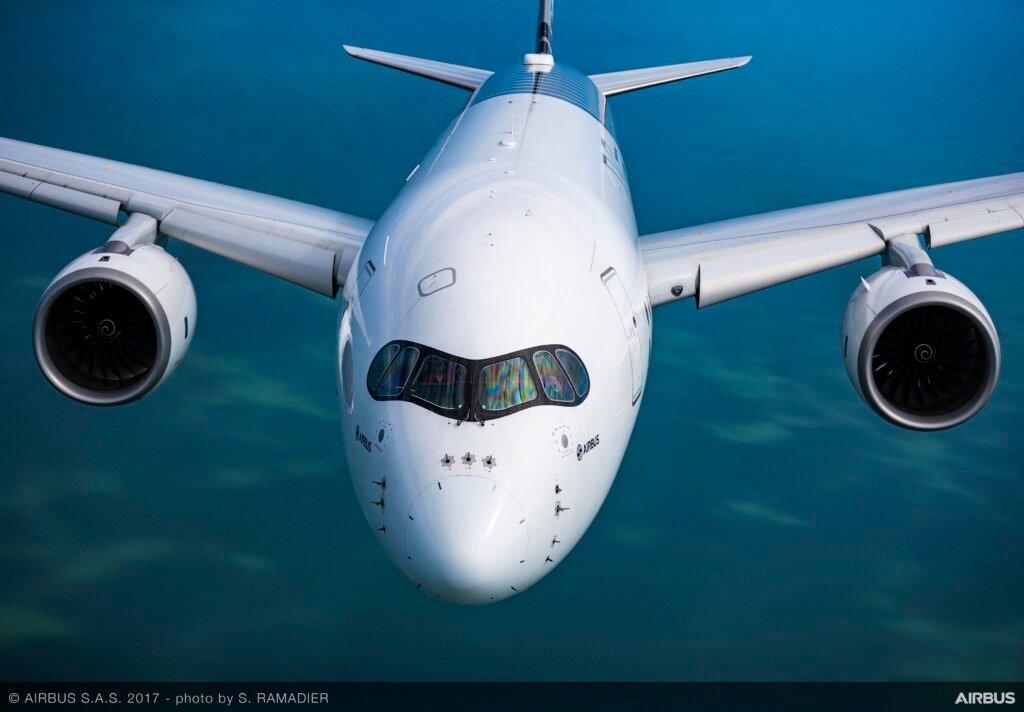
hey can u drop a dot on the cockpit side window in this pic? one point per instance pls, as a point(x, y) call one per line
point(506, 384)
point(552, 379)
point(441, 382)
point(395, 378)
point(577, 373)
point(380, 362)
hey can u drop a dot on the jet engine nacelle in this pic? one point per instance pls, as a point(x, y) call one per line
point(920, 348)
point(115, 323)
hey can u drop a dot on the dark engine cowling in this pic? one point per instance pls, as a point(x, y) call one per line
point(114, 325)
point(920, 349)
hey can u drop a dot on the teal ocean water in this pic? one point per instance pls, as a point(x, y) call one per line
point(765, 524)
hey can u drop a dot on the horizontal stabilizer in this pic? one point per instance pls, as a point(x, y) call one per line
point(454, 74)
point(614, 83)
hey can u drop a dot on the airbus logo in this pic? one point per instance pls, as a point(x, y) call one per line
point(586, 447)
point(986, 698)
point(363, 440)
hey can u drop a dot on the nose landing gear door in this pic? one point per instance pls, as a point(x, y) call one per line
point(620, 298)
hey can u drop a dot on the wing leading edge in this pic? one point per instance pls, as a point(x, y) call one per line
point(303, 244)
point(723, 260)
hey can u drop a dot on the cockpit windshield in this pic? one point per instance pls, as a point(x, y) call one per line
point(555, 384)
point(395, 378)
point(380, 362)
point(577, 372)
point(479, 389)
point(506, 384)
point(441, 382)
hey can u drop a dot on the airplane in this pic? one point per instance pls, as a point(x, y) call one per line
point(495, 329)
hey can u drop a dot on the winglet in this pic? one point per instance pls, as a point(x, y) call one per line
point(454, 74)
point(614, 83)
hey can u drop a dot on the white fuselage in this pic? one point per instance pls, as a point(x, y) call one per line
point(516, 218)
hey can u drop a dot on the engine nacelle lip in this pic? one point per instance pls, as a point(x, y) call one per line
point(916, 421)
point(84, 395)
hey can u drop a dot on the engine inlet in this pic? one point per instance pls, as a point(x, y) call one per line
point(930, 360)
point(101, 335)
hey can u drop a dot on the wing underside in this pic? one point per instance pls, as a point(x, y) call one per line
point(303, 244)
point(728, 259)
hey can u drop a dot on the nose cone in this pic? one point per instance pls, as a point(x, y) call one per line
point(466, 540)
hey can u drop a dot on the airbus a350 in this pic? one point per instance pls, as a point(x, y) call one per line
point(495, 325)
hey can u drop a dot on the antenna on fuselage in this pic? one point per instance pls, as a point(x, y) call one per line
point(547, 11)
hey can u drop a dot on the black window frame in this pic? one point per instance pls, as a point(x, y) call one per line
point(472, 411)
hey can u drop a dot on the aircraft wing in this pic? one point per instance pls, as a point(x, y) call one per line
point(303, 244)
point(728, 259)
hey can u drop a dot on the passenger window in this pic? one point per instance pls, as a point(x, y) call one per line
point(506, 384)
point(381, 361)
point(552, 379)
point(395, 378)
point(577, 373)
point(441, 382)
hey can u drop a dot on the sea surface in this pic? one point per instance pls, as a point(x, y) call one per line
point(765, 525)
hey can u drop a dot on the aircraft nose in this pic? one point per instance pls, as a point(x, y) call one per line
point(466, 540)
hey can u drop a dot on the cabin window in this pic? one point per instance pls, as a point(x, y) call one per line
point(577, 373)
point(506, 384)
point(552, 378)
point(441, 382)
point(397, 375)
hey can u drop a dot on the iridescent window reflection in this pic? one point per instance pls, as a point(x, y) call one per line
point(506, 384)
point(577, 373)
point(552, 379)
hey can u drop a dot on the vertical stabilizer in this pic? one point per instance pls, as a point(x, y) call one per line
point(547, 11)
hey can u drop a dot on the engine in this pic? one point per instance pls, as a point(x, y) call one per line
point(115, 323)
point(920, 348)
